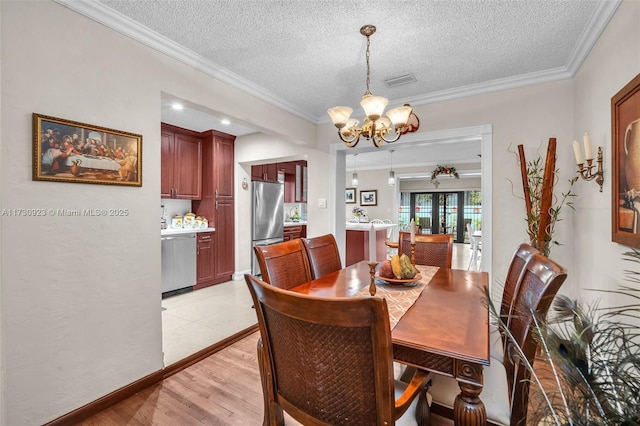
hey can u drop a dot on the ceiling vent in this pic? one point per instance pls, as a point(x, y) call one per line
point(400, 80)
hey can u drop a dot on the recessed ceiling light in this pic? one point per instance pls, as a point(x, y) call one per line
point(225, 121)
point(177, 106)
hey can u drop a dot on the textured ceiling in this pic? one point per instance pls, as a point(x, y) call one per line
point(308, 55)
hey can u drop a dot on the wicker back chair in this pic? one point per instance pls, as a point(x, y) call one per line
point(514, 278)
point(523, 253)
point(508, 382)
point(541, 280)
point(285, 264)
point(323, 255)
point(327, 360)
point(431, 249)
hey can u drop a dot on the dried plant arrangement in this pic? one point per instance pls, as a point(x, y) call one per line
point(543, 207)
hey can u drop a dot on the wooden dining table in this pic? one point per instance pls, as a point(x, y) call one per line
point(445, 329)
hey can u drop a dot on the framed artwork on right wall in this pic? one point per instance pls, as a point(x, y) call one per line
point(625, 140)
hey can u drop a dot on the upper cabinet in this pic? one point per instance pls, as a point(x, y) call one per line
point(265, 173)
point(295, 181)
point(217, 202)
point(181, 163)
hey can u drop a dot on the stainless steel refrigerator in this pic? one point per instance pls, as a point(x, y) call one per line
point(267, 217)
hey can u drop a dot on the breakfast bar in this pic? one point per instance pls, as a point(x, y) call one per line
point(366, 241)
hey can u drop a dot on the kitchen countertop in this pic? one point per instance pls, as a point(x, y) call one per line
point(182, 231)
point(367, 226)
point(301, 222)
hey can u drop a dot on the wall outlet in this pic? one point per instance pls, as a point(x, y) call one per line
point(322, 203)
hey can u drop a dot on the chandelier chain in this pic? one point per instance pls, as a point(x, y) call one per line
point(368, 92)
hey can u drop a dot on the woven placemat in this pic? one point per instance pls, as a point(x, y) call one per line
point(401, 297)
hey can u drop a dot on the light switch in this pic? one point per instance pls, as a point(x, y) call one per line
point(322, 203)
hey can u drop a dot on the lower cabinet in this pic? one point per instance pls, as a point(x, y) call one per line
point(205, 260)
point(293, 232)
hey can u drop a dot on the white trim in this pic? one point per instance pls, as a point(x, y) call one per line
point(337, 166)
point(130, 28)
point(115, 20)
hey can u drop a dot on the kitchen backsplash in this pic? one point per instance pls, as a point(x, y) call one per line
point(289, 210)
point(175, 207)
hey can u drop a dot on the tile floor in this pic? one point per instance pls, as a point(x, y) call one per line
point(198, 319)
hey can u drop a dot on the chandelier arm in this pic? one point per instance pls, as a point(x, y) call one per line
point(350, 142)
point(398, 134)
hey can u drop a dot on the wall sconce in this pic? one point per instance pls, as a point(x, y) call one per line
point(586, 172)
point(245, 184)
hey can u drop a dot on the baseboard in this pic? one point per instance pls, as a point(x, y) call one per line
point(92, 408)
point(208, 351)
point(240, 275)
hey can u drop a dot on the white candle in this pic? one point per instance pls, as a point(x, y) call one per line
point(588, 150)
point(413, 231)
point(577, 152)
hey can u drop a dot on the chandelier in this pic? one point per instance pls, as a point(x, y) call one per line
point(375, 127)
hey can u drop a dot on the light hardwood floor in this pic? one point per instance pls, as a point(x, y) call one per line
point(222, 389)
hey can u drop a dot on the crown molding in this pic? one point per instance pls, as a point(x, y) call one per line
point(598, 22)
point(130, 28)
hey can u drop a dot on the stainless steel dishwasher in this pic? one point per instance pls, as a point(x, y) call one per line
point(178, 263)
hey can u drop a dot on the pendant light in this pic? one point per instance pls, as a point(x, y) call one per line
point(392, 174)
point(354, 180)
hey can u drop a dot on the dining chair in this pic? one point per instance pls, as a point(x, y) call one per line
point(323, 255)
point(328, 361)
point(515, 272)
point(431, 249)
point(506, 384)
point(475, 244)
point(285, 264)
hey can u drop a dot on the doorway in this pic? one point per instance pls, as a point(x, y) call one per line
point(442, 212)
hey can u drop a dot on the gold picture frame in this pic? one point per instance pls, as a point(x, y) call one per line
point(625, 141)
point(70, 151)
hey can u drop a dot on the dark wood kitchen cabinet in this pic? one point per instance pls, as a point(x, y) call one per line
point(205, 260)
point(295, 181)
point(293, 232)
point(180, 163)
point(265, 172)
point(217, 203)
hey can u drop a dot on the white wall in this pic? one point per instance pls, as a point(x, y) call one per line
point(528, 116)
point(81, 298)
point(259, 149)
point(612, 63)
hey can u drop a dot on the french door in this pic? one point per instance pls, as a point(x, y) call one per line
point(441, 212)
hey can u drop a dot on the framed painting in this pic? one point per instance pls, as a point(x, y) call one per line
point(369, 198)
point(625, 141)
point(350, 195)
point(68, 151)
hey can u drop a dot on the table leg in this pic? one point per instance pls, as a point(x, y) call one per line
point(423, 411)
point(468, 409)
